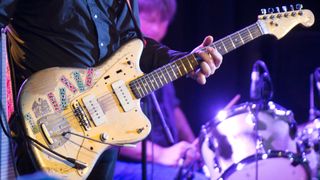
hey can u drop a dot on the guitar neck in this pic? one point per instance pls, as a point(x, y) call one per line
point(239, 38)
point(174, 70)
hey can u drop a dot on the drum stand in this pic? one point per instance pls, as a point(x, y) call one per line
point(261, 91)
point(254, 108)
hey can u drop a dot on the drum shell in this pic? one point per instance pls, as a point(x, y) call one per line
point(232, 136)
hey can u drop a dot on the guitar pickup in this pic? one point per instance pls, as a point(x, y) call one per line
point(94, 109)
point(123, 95)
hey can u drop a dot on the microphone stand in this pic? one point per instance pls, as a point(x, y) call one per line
point(144, 142)
point(261, 91)
point(162, 119)
point(311, 100)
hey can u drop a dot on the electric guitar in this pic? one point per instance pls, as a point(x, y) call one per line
point(78, 113)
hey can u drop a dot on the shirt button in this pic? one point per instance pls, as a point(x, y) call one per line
point(101, 44)
point(95, 16)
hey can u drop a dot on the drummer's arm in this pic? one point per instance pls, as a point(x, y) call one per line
point(162, 155)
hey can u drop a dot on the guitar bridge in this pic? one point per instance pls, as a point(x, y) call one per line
point(81, 115)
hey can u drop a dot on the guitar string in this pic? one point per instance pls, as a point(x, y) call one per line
point(247, 38)
point(229, 46)
point(171, 71)
point(105, 97)
point(254, 33)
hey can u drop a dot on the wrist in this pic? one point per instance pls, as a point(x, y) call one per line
point(158, 154)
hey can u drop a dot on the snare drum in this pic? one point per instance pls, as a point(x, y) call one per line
point(247, 137)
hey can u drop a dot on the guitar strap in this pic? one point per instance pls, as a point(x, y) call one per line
point(8, 168)
point(137, 27)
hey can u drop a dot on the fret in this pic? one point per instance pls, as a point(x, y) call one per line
point(220, 47)
point(167, 72)
point(193, 61)
point(146, 84)
point(224, 46)
point(177, 67)
point(249, 33)
point(183, 66)
point(234, 46)
point(142, 86)
point(151, 81)
point(175, 76)
point(255, 31)
point(137, 88)
point(155, 80)
point(245, 35)
point(163, 77)
point(187, 67)
point(214, 46)
point(172, 71)
point(236, 40)
point(227, 41)
point(239, 35)
point(157, 73)
point(191, 68)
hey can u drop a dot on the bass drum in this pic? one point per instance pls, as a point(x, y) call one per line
point(234, 146)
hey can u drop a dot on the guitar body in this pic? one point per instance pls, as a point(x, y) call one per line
point(95, 103)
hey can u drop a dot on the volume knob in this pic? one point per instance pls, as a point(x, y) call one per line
point(104, 137)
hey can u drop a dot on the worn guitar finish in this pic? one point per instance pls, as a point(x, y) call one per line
point(79, 113)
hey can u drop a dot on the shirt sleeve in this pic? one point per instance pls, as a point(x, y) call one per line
point(156, 55)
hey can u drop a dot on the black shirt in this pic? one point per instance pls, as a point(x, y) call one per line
point(75, 33)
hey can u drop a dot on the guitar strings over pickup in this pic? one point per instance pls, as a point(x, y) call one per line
point(123, 95)
point(94, 109)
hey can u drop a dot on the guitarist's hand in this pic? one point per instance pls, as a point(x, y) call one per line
point(212, 60)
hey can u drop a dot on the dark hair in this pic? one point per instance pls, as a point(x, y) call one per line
point(166, 8)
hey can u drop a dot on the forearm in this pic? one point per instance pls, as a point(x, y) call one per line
point(136, 152)
point(156, 55)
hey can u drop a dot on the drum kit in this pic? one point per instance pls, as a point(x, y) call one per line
point(260, 140)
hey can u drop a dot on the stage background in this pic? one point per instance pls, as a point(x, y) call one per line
point(289, 60)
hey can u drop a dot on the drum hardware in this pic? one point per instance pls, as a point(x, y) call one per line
point(261, 91)
point(212, 145)
point(308, 138)
point(254, 140)
point(261, 88)
point(295, 160)
point(258, 136)
point(308, 141)
point(232, 133)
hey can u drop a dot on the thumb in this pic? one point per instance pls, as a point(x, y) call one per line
point(207, 41)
